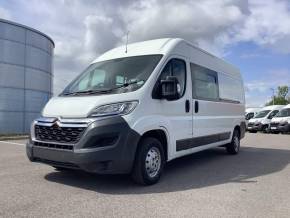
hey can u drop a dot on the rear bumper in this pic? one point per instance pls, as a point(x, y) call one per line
point(87, 155)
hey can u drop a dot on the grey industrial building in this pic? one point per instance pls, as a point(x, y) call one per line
point(26, 74)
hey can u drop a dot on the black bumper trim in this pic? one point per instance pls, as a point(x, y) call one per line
point(185, 144)
point(116, 157)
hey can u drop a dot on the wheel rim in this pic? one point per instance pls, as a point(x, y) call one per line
point(236, 143)
point(153, 162)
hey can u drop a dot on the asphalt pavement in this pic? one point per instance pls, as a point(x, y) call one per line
point(255, 183)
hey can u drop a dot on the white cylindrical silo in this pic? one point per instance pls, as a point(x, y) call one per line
point(26, 75)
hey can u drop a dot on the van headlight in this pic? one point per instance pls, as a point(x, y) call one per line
point(120, 108)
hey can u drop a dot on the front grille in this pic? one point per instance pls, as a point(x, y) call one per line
point(250, 124)
point(51, 145)
point(55, 133)
point(274, 124)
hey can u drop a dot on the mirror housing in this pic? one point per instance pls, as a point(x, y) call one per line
point(169, 88)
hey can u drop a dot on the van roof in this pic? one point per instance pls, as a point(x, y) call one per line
point(253, 109)
point(158, 46)
point(273, 107)
point(287, 106)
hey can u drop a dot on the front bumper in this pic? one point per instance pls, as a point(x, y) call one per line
point(87, 155)
point(281, 127)
point(257, 127)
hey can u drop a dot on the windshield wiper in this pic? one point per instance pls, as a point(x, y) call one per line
point(89, 92)
point(127, 84)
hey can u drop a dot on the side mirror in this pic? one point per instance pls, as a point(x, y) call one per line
point(169, 88)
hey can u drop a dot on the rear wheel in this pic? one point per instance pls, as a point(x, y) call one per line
point(234, 146)
point(149, 162)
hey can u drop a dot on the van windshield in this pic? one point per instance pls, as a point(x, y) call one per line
point(114, 76)
point(262, 114)
point(284, 113)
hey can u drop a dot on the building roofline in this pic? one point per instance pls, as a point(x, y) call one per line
point(27, 27)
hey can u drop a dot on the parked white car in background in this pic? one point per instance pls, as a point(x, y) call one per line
point(250, 113)
point(281, 122)
point(137, 107)
point(261, 122)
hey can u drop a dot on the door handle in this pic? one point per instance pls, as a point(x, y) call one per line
point(196, 106)
point(187, 106)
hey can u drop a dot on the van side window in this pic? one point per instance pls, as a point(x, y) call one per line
point(176, 67)
point(204, 83)
point(230, 88)
point(272, 114)
point(250, 116)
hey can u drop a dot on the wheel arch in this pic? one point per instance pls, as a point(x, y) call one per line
point(159, 134)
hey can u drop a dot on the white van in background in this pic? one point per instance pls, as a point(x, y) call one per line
point(281, 122)
point(137, 107)
point(261, 122)
point(250, 113)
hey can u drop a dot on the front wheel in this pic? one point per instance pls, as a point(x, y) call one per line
point(234, 146)
point(149, 162)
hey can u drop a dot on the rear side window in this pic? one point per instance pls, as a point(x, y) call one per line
point(204, 83)
point(230, 88)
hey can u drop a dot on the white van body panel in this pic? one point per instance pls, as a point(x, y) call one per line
point(214, 117)
point(253, 109)
point(282, 119)
point(80, 106)
point(265, 120)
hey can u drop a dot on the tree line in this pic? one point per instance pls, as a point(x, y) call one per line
point(281, 97)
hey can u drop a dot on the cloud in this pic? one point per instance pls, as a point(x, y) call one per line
point(191, 20)
point(267, 25)
point(4, 14)
point(259, 91)
point(83, 30)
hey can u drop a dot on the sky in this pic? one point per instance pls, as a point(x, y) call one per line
point(253, 35)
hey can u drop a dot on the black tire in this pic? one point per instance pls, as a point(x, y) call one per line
point(139, 173)
point(60, 168)
point(234, 146)
point(265, 129)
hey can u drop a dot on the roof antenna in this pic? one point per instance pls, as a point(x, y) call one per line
point(127, 36)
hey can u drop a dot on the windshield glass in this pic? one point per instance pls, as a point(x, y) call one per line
point(284, 113)
point(117, 75)
point(262, 114)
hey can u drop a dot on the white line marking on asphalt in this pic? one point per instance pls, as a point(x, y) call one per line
point(13, 143)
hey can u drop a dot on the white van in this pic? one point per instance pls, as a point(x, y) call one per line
point(261, 122)
point(136, 108)
point(250, 113)
point(281, 122)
